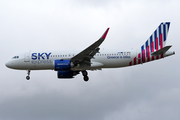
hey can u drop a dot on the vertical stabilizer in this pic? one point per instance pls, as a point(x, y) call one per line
point(154, 43)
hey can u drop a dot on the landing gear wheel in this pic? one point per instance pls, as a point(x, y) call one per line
point(85, 74)
point(27, 77)
point(86, 78)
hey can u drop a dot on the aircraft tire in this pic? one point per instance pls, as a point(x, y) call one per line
point(86, 78)
point(27, 77)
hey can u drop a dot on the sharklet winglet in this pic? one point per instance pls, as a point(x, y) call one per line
point(105, 34)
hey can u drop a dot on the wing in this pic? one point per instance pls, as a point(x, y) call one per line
point(84, 57)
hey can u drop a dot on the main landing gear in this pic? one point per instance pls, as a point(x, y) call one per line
point(85, 73)
point(27, 77)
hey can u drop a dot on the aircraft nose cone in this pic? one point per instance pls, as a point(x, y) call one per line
point(9, 64)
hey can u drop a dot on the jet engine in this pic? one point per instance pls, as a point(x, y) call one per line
point(66, 74)
point(63, 65)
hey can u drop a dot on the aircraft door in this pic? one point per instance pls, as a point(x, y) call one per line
point(27, 57)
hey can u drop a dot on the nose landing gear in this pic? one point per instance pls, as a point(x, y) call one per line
point(28, 77)
point(85, 74)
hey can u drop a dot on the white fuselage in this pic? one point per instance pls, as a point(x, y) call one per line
point(45, 60)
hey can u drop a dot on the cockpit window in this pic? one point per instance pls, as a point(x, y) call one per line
point(15, 57)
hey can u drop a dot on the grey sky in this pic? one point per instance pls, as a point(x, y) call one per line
point(148, 91)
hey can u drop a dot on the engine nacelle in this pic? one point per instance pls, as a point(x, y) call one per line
point(62, 65)
point(66, 74)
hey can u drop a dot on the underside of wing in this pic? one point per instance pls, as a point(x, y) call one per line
point(94, 66)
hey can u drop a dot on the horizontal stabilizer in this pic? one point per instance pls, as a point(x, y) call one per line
point(161, 51)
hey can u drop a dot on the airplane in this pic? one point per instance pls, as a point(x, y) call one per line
point(70, 64)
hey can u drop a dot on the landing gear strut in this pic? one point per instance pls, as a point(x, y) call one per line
point(27, 77)
point(85, 73)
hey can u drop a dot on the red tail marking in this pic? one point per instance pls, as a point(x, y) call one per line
point(135, 61)
point(144, 59)
point(157, 47)
point(162, 55)
point(152, 49)
point(157, 57)
point(152, 46)
point(152, 57)
point(161, 41)
point(148, 54)
point(130, 63)
point(139, 58)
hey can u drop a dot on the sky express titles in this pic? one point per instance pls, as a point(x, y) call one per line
point(39, 56)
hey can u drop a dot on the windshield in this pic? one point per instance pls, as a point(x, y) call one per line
point(15, 57)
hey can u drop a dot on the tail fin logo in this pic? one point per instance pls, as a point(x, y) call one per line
point(155, 42)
